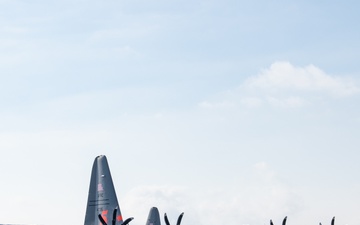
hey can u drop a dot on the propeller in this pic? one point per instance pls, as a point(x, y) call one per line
point(166, 219)
point(181, 216)
point(102, 220)
point(114, 216)
point(128, 220)
point(284, 221)
point(178, 220)
point(332, 221)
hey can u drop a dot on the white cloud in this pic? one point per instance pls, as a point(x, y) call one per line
point(284, 85)
point(217, 105)
point(170, 199)
point(288, 102)
point(262, 169)
point(251, 201)
point(284, 76)
point(251, 102)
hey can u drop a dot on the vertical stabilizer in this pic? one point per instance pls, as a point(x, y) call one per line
point(154, 217)
point(102, 197)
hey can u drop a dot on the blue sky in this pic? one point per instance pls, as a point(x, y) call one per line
point(234, 112)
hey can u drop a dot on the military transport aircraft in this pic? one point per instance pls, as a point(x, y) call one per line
point(102, 204)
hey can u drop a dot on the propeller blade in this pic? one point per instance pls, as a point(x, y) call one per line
point(114, 216)
point(179, 219)
point(333, 221)
point(166, 219)
point(102, 220)
point(128, 220)
point(284, 221)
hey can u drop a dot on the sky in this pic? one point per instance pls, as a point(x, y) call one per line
point(234, 112)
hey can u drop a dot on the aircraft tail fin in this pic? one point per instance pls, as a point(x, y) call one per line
point(102, 201)
point(154, 217)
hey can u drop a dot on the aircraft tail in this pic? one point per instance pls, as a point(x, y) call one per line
point(154, 217)
point(102, 198)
